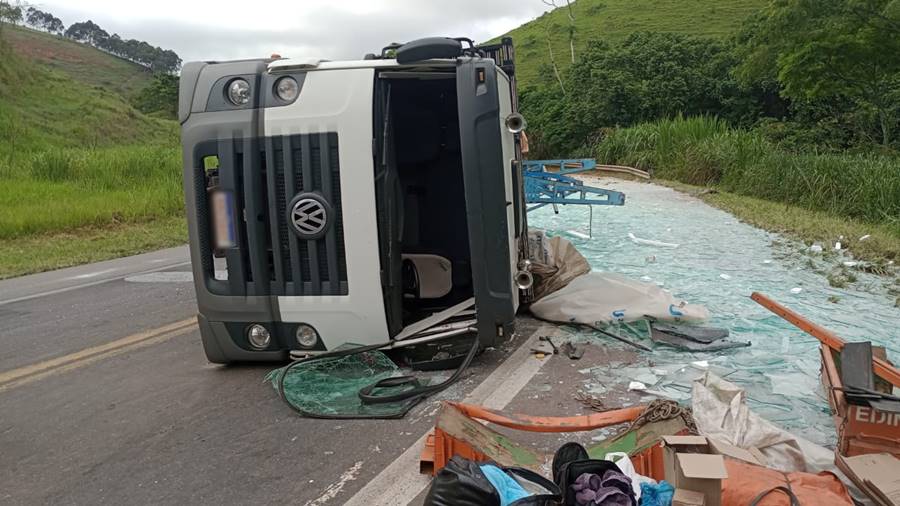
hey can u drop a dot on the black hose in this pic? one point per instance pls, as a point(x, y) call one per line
point(412, 396)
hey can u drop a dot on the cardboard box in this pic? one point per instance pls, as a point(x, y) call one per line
point(691, 464)
point(877, 475)
point(750, 455)
point(684, 497)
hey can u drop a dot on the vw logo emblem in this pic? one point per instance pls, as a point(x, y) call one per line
point(309, 214)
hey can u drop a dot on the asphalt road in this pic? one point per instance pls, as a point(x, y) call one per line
point(106, 398)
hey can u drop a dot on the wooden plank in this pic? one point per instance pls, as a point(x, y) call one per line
point(498, 447)
point(856, 366)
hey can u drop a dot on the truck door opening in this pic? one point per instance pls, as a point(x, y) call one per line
point(423, 230)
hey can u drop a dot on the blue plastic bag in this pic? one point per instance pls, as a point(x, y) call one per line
point(659, 494)
point(509, 489)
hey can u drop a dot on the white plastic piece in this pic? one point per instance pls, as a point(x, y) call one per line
point(650, 242)
point(725, 276)
point(865, 237)
point(815, 248)
point(578, 234)
point(837, 246)
point(637, 385)
point(850, 264)
point(796, 290)
point(701, 364)
point(767, 261)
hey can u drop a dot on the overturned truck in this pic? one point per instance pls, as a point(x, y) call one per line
point(342, 202)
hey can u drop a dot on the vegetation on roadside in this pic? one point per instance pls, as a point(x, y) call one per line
point(85, 175)
point(705, 151)
point(613, 21)
point(44, 252)
point(799, 105)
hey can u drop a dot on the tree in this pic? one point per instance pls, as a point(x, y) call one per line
point(34, 17)
point(87, 32)
point(159, 96)
point(54, 25)
point(830, 49)
point(41, 20)
point(10, 13)
point(646, 77)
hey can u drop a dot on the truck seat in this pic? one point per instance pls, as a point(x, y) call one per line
point(426, 276)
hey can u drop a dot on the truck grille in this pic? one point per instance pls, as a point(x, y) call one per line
point(265, 175)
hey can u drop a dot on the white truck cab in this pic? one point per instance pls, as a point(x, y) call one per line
point(335, 203)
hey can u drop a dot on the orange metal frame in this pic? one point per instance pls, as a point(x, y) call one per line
point(860, 429)
point(882, 367)
point(440, 446)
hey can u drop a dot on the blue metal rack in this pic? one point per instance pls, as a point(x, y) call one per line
point(543, 187)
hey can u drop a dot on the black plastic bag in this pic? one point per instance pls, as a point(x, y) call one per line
point(571, 461)
point(462, 483)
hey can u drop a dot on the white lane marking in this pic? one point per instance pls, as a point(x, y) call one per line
point(170, 277)
point(400, 482)
point(92, 283)
point(93, 274)
point(162, 277)
point(335, 488)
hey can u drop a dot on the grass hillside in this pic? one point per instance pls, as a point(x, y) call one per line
point(613, 20)
point(77, 161)
point(55, 93)
point(78, 61)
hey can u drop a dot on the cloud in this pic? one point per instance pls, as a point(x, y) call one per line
point(220, 30)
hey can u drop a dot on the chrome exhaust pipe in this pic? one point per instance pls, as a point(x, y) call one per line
point(524, 279)
point(515, 123)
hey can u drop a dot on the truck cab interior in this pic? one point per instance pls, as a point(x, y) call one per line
point(420, 192)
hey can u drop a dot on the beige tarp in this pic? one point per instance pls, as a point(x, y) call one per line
point(555, 263)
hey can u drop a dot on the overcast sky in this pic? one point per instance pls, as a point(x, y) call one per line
point(336, 29)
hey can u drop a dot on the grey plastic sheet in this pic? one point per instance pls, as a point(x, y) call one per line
point(719, 262)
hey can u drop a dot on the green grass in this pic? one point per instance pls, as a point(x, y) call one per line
point(80, 62)
point(76, 156)
point(42, 108)
point(613, 20)
point(61, 189)
point(45, 252)
point(705, 151)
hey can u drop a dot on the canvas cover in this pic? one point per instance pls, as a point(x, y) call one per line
point(598, 298)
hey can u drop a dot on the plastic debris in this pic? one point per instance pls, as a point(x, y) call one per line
point(650, 242)
point(837, 246)
point(578, 234)
point(815, 248)
point(865, 237)
point(850, 264)
point(796, 290)
point(636, 385)
point(757, 260)
point(725, 276)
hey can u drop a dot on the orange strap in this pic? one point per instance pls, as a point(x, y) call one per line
point(550, 423)
point(829, 338)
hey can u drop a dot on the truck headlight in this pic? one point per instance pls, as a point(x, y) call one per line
point(258, 336)
point(287, 88)
point(307, 337)
point(239, 92)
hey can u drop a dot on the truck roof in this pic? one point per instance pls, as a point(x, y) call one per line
point(310, 64)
